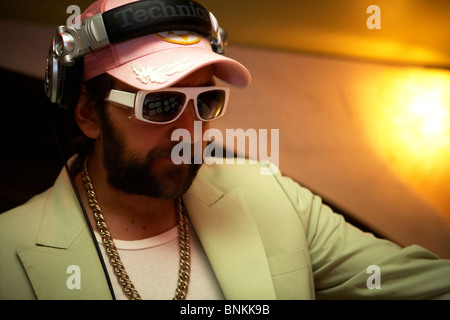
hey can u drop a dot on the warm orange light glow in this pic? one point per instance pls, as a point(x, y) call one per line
point(409, 126)
point(419, 120)
point(418, 116)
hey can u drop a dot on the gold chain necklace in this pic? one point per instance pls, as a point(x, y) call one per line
point(119, 270)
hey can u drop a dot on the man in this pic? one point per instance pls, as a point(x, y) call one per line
point(163, 230)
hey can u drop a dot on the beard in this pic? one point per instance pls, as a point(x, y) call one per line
point(156, 176)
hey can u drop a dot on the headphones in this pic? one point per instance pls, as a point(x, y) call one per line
point(64, 69)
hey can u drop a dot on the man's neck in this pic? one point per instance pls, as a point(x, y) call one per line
point(128, 216)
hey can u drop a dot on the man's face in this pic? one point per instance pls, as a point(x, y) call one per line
point(137, 155)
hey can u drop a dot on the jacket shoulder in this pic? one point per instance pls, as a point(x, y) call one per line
point(266, 190)
point(260, 178)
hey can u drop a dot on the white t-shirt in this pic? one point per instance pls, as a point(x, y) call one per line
point(152, 265)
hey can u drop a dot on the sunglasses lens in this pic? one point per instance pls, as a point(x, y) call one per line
point(210, 104)
point(162, 106)
point(165, 106)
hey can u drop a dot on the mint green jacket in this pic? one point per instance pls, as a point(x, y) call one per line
point(265, 236)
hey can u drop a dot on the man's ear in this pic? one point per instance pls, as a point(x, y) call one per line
point(87, 116)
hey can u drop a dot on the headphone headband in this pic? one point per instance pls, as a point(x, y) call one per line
point(123, 23)
point(146, 17)
point(131, 21)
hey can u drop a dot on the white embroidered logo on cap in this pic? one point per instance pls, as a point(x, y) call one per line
point(180, 37)
point(159, 74)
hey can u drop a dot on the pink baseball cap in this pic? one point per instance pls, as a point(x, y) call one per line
point(158, 60)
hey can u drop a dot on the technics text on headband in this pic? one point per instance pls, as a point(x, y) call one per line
point(134, 20)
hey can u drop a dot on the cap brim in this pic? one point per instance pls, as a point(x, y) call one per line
point(164, 69)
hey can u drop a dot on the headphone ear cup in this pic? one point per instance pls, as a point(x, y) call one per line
point(69, 84)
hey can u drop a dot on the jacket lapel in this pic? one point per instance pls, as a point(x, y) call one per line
point(237, 258)
point(64, 263)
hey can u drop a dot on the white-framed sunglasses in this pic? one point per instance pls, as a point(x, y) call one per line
point(167, 105)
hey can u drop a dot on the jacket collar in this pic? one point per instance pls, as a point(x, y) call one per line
point(62, 219)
